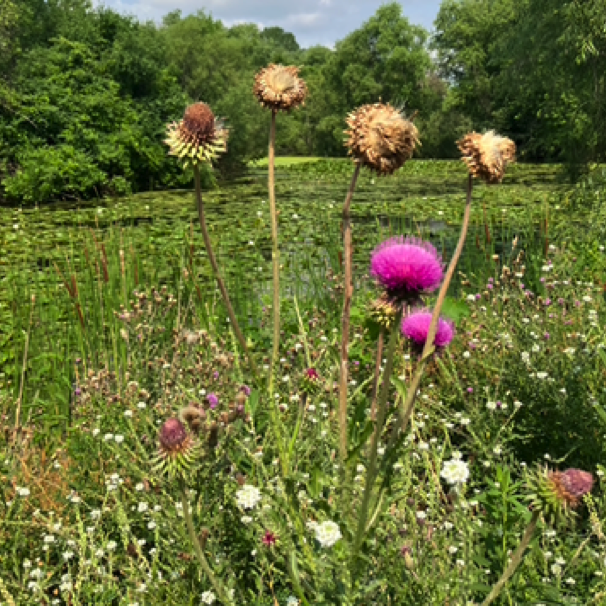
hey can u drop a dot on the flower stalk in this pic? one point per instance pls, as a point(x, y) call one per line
point(275, 252)
point(215, 267)
point(371, 472)
point(345, 318)
point(218, 587)
point(516, 559)
point(429, 348)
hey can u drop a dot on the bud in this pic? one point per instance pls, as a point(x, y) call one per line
point(310, 381)
point(558, 493)
point(177, 449)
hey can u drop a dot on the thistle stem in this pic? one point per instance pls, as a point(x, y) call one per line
point(275, 253)
point(375, 385)
point(221, 593)
point(371, 472)
point(516, 559)
point(428, 349)
point(220, 282)
point(347, 296)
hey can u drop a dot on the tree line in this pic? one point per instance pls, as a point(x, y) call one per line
point(86, 93)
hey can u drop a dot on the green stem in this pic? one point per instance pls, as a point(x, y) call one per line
point(371, 472)
point(516, 559)
point(275, 253)
point(347, 296)
point(221, 593)
point(220, 282)
point(428, 349)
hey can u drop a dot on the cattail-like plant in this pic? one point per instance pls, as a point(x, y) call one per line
point(199, 138)
point(381, 138)
point(555, 494)
point(278, 88)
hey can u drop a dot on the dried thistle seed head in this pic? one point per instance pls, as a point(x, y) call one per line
point(177, 449)
point(380, 137)
point(198, 137)
point(280, 88)
point(487, 155)
point(193, 417)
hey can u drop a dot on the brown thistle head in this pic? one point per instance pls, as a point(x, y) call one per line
point(487, 155)
point(380, 137)
point(280, 88)
point(198, 137)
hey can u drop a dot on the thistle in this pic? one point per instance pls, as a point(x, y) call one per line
point(406, 267)
point(280, 88)
point(415, 326)
point(198, 137)
point(380, 137)
point(556, 494)
point(310, 382)
point(487, 155)
point(384, 311)
point(177, 450)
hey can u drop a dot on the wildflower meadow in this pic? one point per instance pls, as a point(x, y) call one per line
point(369, 415)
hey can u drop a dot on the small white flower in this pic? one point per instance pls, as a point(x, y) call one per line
point(292, 601)
point(141, 405)
point(248, 496)
point(139, 487)
point(108, 436)
point(452, 549)
point(119, 439)
point(111, 545)
point(455, 471)
point(556, 569)
point(246, 519)
point(95, 514)
point(96, 432)
point(542, 375)
point(327, 533)
point(466, 354)
point(142, 507)
point(151, 525)
point(208, 597)
point(23, 492)
point(491, 405)
point(68, 555)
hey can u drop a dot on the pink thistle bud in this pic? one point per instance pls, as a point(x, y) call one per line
point(269, 538)
point(172, 435)
point(415, 327)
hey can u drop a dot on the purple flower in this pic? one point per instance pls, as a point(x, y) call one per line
point(407, 265)
point(416, 326)
point(546, 335)
point(470, 390)
point(245, 389)
point(78, 391)
point(547, 302)
point(213, 400)
point(216, 374)
point(489, 286)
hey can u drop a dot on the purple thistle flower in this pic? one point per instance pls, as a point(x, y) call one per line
point(470, 390)
point(213, 400)
point(407, 265)
point(245, 389)
point(547, 302)
point(416, 326)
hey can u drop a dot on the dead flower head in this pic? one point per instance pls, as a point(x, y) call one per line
point(380, 137)
point(198, 137)
point(487, 155)
point(279, 87)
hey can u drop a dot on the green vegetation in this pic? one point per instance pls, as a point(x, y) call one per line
point(367, 426)
point(85, 93)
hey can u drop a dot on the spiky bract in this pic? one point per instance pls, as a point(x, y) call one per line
point(279, 87)
point(380, 137)
point(557, 493)
point(198, 137)
point(487, 155)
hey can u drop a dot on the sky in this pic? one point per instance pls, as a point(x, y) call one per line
point(312, 21)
